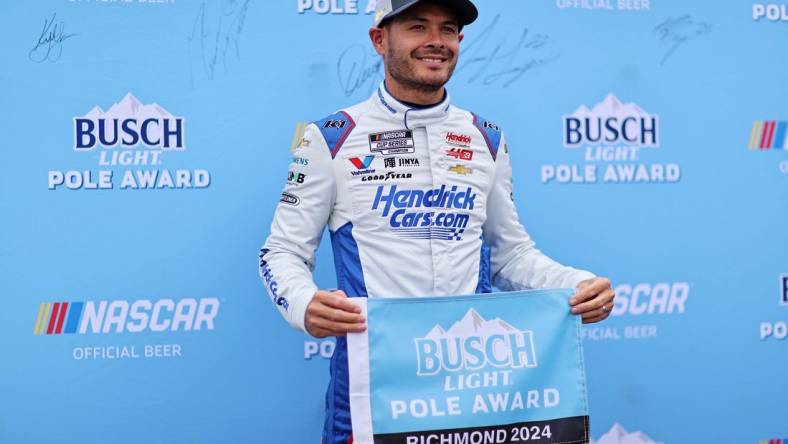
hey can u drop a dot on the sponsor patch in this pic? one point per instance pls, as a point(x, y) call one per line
point(458, 139)
point(459, 169)
point(460, 154)
point(296, 178)
point(301, 161)
point(394, 162)
point(362, 164)
point(290, 199)
point(299, 141)
point(492, 126)
point(440, 213)
point(339, 124)
point(384, 177)
point(392, 142)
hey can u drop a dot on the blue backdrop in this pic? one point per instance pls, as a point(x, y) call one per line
point(151, 240)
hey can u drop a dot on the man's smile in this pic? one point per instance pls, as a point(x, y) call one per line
point(433, 60)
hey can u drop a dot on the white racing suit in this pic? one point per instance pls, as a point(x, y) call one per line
point(418, 203)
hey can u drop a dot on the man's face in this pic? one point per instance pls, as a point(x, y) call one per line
point(421, 46)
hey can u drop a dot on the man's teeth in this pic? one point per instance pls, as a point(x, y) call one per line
point(427, 59)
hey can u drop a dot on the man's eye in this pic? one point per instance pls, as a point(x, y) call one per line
point(417, 27)
point(450, 29)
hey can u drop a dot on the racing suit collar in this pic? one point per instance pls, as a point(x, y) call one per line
point(411, 117)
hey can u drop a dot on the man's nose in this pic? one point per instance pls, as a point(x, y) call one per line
point(435, 39)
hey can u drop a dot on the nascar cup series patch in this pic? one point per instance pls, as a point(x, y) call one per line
point(495, 368)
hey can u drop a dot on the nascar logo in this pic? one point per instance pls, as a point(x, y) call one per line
point(56, 318)
point(769, 134)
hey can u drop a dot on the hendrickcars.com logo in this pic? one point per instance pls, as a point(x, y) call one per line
point(119, 316)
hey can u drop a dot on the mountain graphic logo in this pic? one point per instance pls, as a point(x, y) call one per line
point(619, 435)
point(362, 164)
point(611, 122)
point(474, 343)
point(129, 123)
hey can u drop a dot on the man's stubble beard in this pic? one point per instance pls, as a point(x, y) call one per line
point(400, 70)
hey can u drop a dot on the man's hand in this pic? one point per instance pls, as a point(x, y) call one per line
point(593, 300)
point(330, 313)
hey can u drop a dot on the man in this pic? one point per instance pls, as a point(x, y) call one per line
point(416, 194)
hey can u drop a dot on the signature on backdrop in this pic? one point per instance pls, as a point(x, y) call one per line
point(676, 31)
point(49, 44)
point(491, 58)
point(213, 41)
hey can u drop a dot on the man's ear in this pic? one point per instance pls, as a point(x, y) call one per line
point(376, 37)
point(461, 36)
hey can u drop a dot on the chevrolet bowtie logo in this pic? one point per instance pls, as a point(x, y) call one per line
point(459, 169)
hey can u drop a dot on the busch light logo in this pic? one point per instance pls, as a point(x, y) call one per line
point(128, 124)
point(135, 139)
point(611, 136)
point(611, 122)
point(408, 221)
point(474, 343)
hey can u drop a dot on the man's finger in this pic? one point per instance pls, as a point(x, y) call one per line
point(594, 320)
point(339, 301)
point(605, 298)
point(319, 332)
point(587, 292)
point(594, 313)
point(337, 315)
point(338, 328)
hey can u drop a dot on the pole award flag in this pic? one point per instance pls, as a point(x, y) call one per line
point(493, 368)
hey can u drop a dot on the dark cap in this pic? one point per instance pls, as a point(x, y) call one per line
point(386, 9)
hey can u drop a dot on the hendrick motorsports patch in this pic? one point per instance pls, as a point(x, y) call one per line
point(392, 142)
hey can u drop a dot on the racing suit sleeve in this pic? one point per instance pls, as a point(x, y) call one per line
point(288, 255)
point(515, 262)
